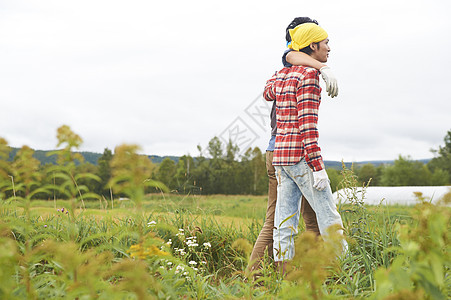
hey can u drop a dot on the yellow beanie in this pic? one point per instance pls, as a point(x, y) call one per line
point(305, 34)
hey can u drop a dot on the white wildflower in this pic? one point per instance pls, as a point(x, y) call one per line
point(193, 263)
point(179, 267)
point(182, 251)
point(151, 223)
point(207, 245)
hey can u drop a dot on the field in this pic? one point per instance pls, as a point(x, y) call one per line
point(141, 245)
point(197, 247)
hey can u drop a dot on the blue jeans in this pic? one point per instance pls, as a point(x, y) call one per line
point(294, 182)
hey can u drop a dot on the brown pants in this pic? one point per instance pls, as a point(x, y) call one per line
point(265, 240)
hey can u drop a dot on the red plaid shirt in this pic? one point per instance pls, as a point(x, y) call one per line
point(298, 96)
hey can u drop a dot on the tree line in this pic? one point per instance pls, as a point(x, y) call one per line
point(408, 172)
point(218, 169)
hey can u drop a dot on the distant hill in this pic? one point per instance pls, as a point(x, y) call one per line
point(92, 157)
point(44, 158)
point(376, 163)
point(338, 164)
point(158, 159)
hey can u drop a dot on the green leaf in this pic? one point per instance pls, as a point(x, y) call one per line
point(287, 219)
point(87, 176)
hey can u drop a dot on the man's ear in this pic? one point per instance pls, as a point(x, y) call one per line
point(313, 46)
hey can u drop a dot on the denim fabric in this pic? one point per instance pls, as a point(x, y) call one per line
point(271, 144)
point(265, 240)
point(284, 59)
point(294, 182)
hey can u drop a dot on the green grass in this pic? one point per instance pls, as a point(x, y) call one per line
point(231, 207)
point(133, 252)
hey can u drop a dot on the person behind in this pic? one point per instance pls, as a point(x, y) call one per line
point(297, 159)
point(265, 238)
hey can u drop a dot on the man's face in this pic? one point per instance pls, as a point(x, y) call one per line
point(321, 50)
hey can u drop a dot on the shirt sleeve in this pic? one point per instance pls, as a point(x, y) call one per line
point(308, 101)
point(269, 93)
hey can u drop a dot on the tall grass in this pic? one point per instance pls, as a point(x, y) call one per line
point(170, 247)
point(195, 255)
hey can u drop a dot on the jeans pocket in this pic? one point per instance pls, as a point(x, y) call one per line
point(300, 175)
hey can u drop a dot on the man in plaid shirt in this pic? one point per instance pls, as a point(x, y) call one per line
point(297, 158)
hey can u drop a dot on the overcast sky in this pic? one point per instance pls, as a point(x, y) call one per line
point(171, 75)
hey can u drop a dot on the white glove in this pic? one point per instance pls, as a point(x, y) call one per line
point(331, 81)
point(320, 180)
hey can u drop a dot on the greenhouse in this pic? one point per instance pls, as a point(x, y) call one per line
point(394, 195)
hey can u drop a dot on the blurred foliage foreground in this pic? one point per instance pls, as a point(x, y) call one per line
point(140, 254)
